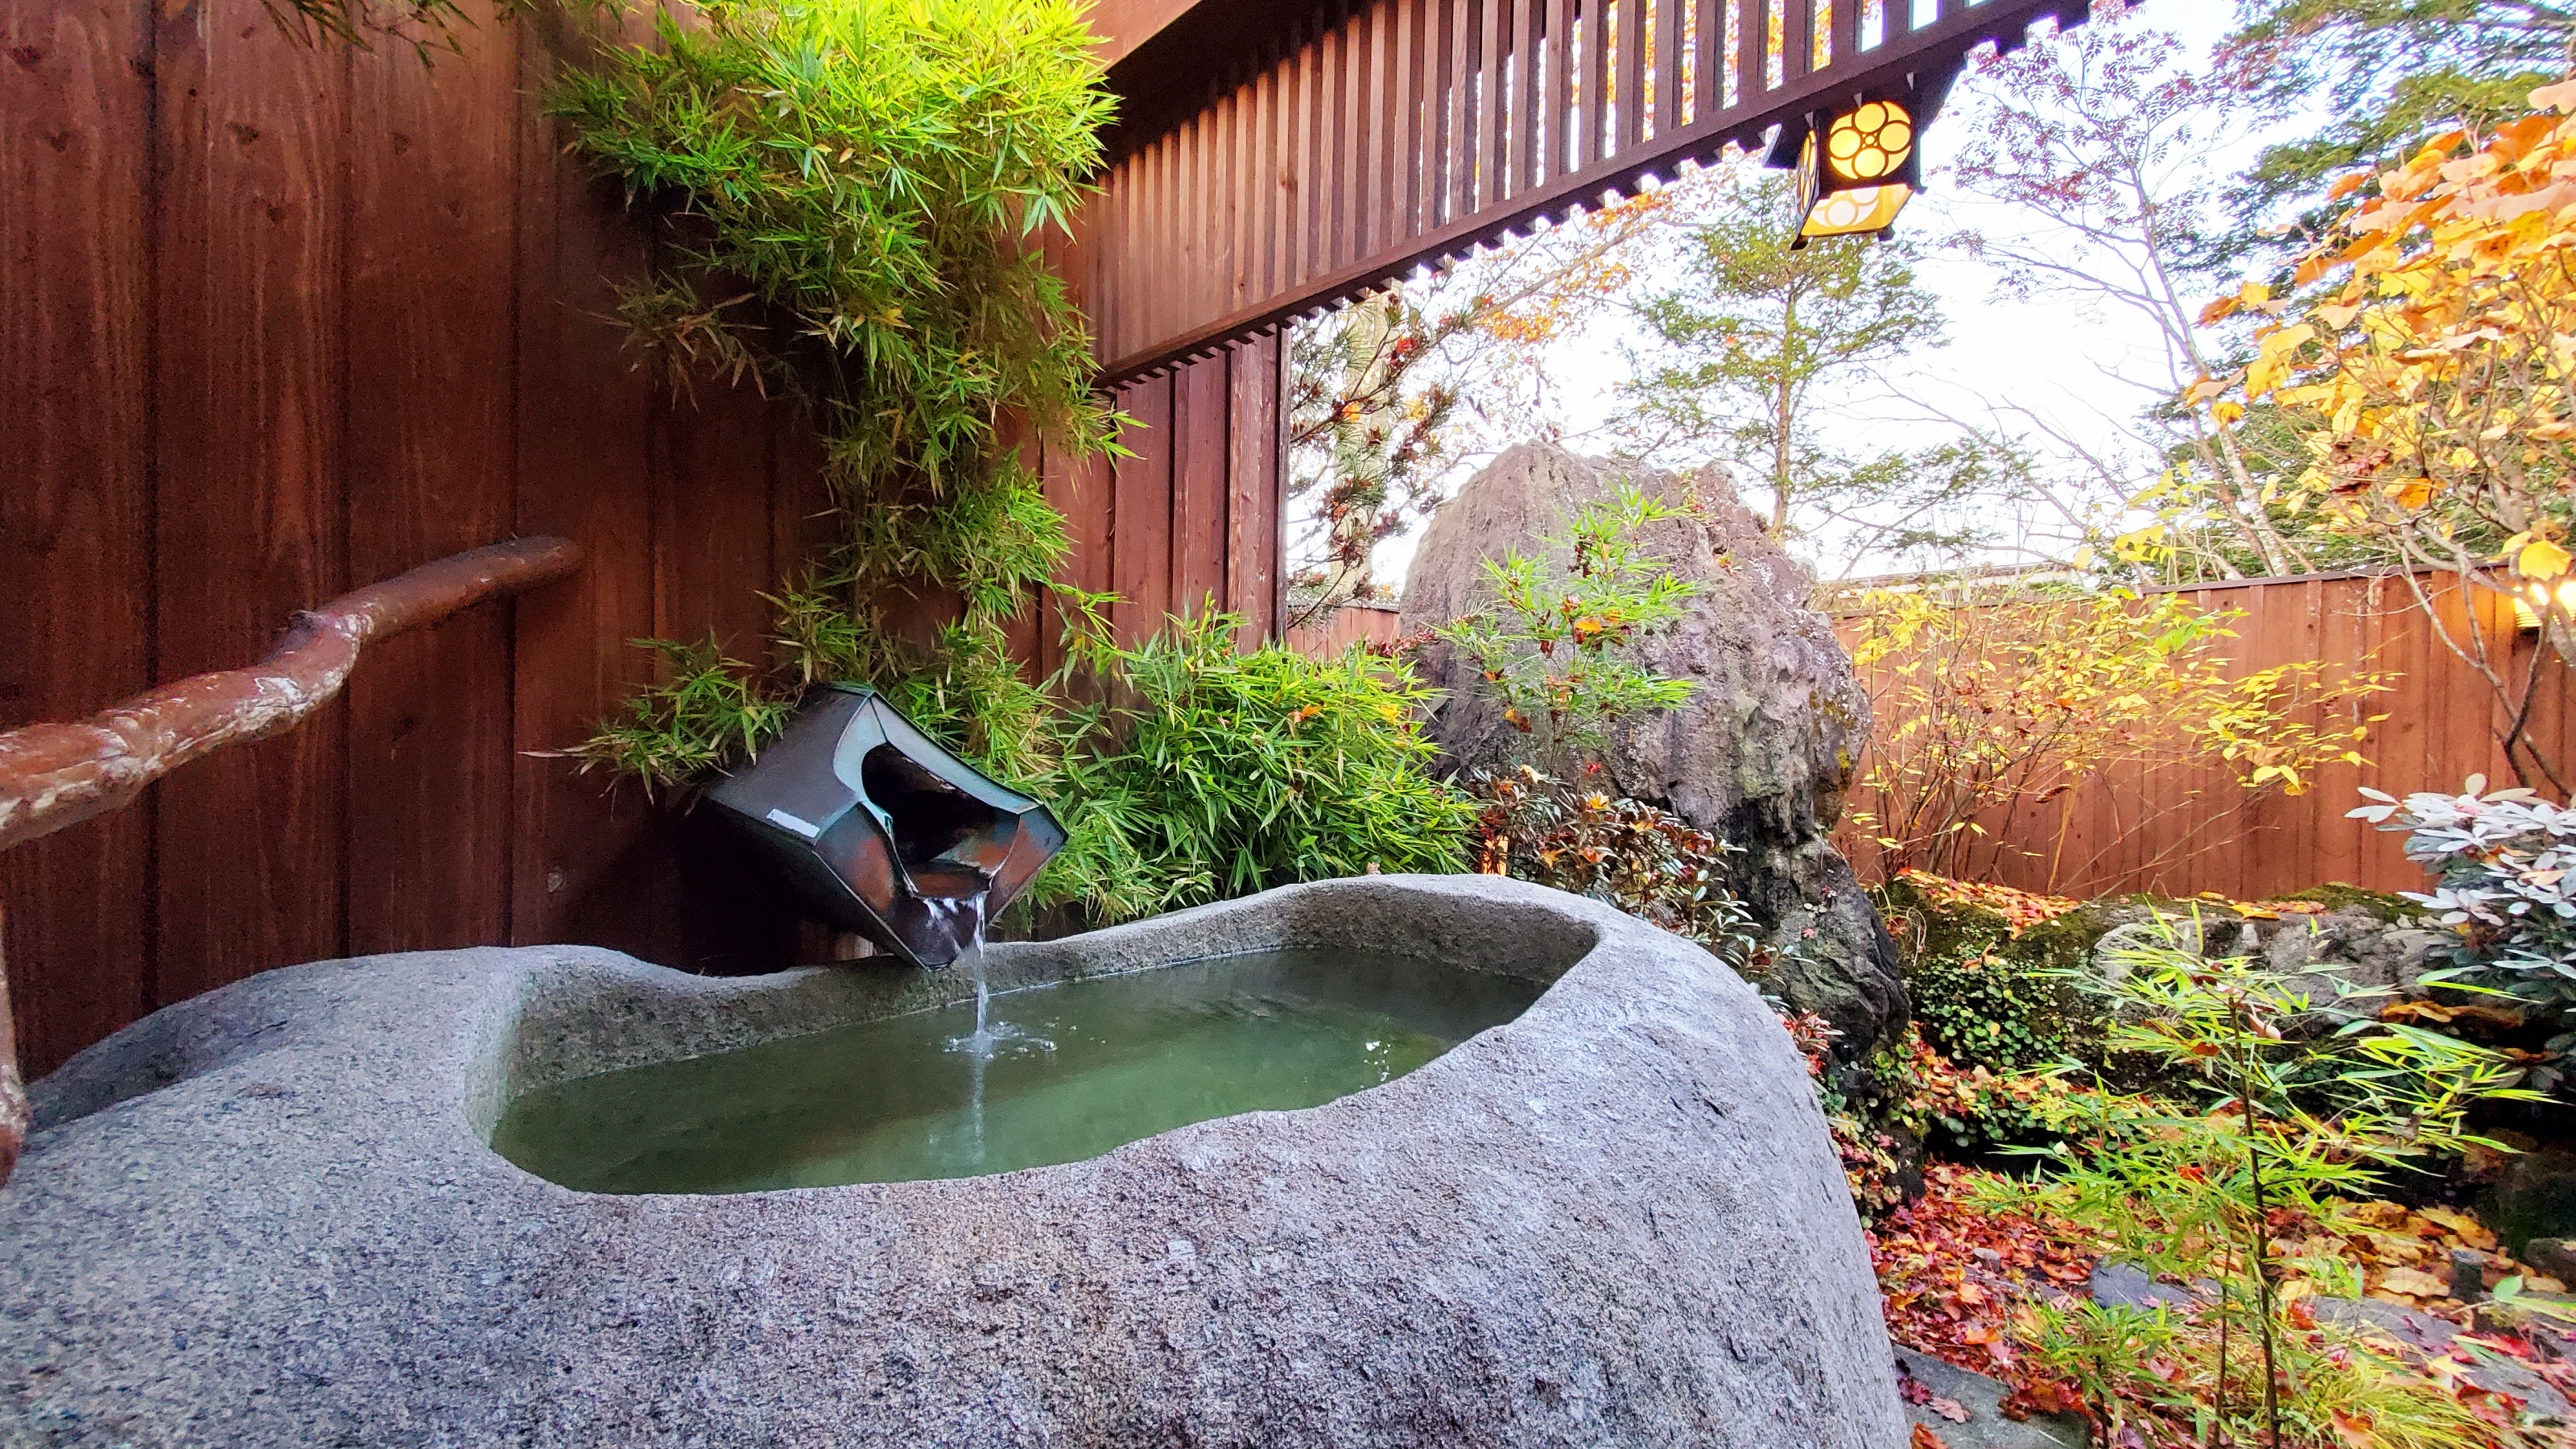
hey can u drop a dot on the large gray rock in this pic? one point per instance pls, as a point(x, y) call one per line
point(269, 1216)
point(1762, 753)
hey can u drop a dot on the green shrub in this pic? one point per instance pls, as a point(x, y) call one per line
point(713, 710)
point(2504, 867)
point(1234, 772)
point(1554, 644)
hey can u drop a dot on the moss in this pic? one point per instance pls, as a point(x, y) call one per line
point(2336, 896)
point(1925, 929)
point(2063, 944)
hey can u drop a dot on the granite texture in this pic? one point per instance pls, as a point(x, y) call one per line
point(268, 1216)
point(1762, 751)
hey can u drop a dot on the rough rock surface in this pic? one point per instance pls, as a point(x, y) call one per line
point(1762, 752)
point(2353, 945)
point(268, 1216)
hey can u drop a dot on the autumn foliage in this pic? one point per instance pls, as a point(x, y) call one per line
point(2017, 701)
point(2427, 357)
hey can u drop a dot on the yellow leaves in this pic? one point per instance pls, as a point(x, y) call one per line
point(2468, 1229)
point(2437, 373)
point(2542, 559)
point(2414, 1283)
point(2411, 495)
point(2286, 340)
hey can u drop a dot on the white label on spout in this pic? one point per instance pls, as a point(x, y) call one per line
point(785, 821)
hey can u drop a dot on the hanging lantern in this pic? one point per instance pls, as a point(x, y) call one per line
point(1859, 165)
point(1860, 176)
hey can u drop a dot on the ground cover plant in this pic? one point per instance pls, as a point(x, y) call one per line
point(2246, 1151)
point(1648, 862)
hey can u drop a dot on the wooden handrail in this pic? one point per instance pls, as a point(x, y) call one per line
point(54, 775)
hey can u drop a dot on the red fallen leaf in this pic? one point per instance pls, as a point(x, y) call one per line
point(2501, 1343)
point(1972, 1295)
point(1977, 1333)
point(1950, 1409)
point(1911, 1388)
point(1924, 1438)
point(2040, 1396)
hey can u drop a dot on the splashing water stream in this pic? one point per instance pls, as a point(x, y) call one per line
point(963, 916)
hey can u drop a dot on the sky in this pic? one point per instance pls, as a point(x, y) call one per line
point(2059, 359)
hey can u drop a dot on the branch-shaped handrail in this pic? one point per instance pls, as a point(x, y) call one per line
point(54, 775)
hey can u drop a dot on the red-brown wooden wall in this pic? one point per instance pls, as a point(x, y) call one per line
point(276, 321)
point(2132, 832)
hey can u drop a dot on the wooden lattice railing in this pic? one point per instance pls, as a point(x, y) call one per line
point(1402, 131)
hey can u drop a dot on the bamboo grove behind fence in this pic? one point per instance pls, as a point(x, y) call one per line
point(2132, 830)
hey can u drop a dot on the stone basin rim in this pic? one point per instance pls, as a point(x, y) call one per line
point(522, 1076)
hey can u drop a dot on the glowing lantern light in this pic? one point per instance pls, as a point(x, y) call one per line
point(1861, 177)
point(2533, 598)
point(1858, 165)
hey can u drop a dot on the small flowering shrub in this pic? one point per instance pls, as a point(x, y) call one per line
point(1625, 853)
point(2504, 865)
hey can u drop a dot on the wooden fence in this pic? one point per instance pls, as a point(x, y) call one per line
point(1348, 625)
point(2134, 833)
point(279, 320)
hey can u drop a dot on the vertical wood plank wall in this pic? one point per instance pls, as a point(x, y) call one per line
point(1381, 134)
point(2131, 832)
point(278, 321)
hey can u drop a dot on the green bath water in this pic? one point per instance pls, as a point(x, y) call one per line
point(1060, 1073)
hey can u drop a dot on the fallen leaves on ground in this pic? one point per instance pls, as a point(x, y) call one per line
point(2408, 1256)
point(1953, 1278)
point(2020, 909)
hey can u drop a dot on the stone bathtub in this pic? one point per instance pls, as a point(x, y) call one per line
point(270, 1216)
